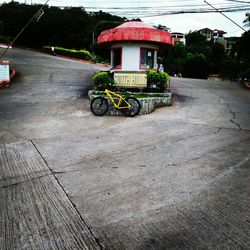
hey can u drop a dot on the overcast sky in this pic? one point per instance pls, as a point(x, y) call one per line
point(157, 12)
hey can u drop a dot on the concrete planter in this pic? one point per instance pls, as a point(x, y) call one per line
point(148, 104)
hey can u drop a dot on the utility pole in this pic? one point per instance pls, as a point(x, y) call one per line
point(225, 16)
point(37, 15)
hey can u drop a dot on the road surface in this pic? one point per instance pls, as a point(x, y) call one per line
point(174, 179)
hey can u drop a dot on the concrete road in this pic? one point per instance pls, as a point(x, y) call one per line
point(174, 179)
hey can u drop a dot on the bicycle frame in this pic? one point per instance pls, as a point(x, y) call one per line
point(117, 100)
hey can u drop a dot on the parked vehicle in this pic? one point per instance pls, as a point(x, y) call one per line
point(244, 80)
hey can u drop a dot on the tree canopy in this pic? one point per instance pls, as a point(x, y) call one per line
point(70, 27)
point(74, 28)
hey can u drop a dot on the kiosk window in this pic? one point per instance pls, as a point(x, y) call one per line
point(117, 58)
point(147, 58)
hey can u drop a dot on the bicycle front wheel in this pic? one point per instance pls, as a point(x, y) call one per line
point(134, 109)
point(99, 106)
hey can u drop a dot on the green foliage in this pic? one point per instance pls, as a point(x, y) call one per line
point(247, 20)
point(243, 49)
point(157, 78)
point(175, 62)
point(195, 38)
point(197, 59)
point(6, 39)
point(99, 59)
point(200, 57)
point(81, 54)
point(196, 66)
point(153, 77)
point(70, 27)
point(103, 79)
point(230, 69)
point(243, 54)
point(1, 27)
point(162, 27)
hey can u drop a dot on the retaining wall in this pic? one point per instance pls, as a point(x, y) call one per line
point(148, 104)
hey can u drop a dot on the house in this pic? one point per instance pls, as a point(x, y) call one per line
point(178, 38)
point(213, 35)
point(208, 33)
point(230, 43)
point(218, 35)
point(134, 47)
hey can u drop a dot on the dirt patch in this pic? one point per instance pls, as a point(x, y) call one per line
point(181, 98)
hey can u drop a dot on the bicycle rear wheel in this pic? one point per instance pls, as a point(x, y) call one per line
point(99, 106)
point(134, 109)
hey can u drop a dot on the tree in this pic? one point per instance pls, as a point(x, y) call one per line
point(191, 60)
point(196, 66)
point(1, 27)
point(175, 61)
point(217, 58)
point(135, 20)
point(198, 58)
point(162, 27)
point(71, 27)
point(194, 38)
point(247, 20)
point(243, 51)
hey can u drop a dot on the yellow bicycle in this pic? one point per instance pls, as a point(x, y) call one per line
point(129, 106)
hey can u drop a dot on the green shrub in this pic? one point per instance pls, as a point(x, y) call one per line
point(157, 78)
point(103, 79)
point(99, 59)
point(6, 39)
point(153, 77)
point(164, 77)
point(80, 54)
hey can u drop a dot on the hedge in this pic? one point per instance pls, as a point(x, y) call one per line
point(80, 54)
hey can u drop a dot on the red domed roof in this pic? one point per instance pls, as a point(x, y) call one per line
point(135, 31)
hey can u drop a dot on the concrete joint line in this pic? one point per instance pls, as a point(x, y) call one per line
point(22, 182)
point(73, 205)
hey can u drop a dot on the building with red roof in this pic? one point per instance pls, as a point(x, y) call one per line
point(134, 46)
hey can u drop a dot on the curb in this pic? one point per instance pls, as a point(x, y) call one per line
point(85, 61)
point(247, 85)
point(6, 45)
point(12, 75)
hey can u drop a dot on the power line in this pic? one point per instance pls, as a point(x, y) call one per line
point(151, 13)
point(225, 16)
point(170, 9)
point(162, 7)
point(238, 1)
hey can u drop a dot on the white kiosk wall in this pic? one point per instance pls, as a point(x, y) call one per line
point(131, 55)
